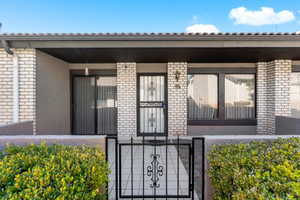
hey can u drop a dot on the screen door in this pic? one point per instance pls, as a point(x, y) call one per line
point(152, 106)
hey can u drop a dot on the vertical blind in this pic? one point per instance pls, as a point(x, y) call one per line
point(239, 96)
point(84, 105)
point(202, 96)
point(295, 94)
point(94, 105)
point(107, 105)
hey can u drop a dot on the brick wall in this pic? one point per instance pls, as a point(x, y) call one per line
point(273, 94)
point(126, 87)
point(6, 88)
point(177, 99)
point(27, 70)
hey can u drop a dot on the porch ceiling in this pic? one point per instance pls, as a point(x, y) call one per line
point(160, 47)
point(154, 55)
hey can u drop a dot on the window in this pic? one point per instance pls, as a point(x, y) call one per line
point(239, 96)
point(221, 96)
point(295, 94)
point(94, 102)
point(203, 96)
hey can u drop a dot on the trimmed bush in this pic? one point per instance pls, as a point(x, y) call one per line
point(38, 172)
point(256, 171)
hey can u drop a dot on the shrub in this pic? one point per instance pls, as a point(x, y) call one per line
point(37, 172)
point(259, 170)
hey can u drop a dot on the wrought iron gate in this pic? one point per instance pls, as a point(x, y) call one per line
point(156, 167)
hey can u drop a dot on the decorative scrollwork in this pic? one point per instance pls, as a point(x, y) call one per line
point(152, 89)
point(155, 170)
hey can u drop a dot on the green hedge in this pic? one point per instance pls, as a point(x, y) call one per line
point(39, 172)
point(259, 170)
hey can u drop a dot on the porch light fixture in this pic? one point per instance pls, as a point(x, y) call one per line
point(177, 75)
point(86, 72)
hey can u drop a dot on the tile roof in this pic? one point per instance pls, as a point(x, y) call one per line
point(148, 34)
point(152, 36)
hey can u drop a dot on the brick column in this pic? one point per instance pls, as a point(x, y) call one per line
point(27, 86)
point(177, 99)
point(261, 98)
point(126, 87)
point(273, 94)
point(283, 69)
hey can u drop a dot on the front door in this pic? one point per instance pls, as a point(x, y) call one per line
point(152, 105)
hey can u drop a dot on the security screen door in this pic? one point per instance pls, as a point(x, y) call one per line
point(152, 106)
point(94, 105)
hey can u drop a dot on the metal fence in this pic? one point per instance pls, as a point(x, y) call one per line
point(155, 167)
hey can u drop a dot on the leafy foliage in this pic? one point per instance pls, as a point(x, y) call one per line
point(256, 171)
point(38, 172)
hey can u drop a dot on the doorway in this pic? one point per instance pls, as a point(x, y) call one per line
point(94, 105)
point(152, 104)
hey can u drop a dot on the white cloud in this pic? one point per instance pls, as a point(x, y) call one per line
point(202, 28)
point(298, 32)
point(264, 16)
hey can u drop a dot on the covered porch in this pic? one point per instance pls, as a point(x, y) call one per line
point(139, 84)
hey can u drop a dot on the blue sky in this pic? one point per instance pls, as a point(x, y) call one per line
point(149, 16)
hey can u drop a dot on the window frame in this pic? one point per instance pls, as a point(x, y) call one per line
point(295, 69)
point(221, 121)
point(73, 73)
point(218, 103)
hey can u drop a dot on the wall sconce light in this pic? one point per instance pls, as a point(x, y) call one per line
point(177, 75)
point(86, 71)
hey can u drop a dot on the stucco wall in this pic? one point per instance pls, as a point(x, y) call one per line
point(62, 139)
point(92, 66)
point(151, 67)
point(19, 128)
point(221, 130)
point(53, 95)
